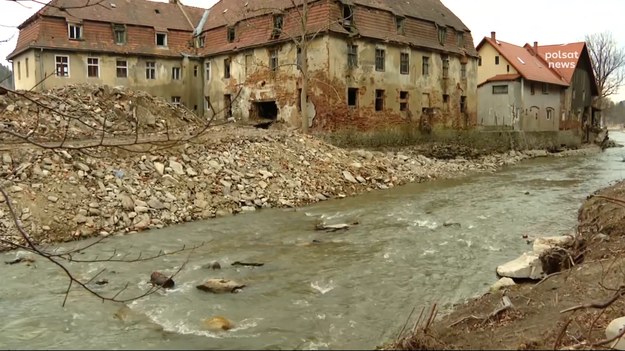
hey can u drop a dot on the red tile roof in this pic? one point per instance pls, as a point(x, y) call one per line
point(530, 66)
point(502, 78)
point(563, 58)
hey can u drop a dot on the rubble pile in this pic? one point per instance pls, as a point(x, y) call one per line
point(69, 195)
point(87, 111)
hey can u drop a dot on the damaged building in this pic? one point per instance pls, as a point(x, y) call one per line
point(361, 63)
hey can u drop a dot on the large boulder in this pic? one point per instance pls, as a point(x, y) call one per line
point(614, 329)
point(527, 266)
point(542, 245)
point(217, 323)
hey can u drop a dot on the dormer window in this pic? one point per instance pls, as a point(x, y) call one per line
point(74, 31)
point(460, 38)
point(161, 39)
point(442, 35)
point(399, 23)
point(201, 41)
point(348, 17)
point(278, 23)
point(119, 31)
point(231, 34)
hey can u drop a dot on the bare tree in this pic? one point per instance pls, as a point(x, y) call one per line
point(608, 62)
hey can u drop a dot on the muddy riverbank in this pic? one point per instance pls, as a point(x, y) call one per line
point(555, 313)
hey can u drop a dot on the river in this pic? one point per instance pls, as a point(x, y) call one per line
point(354, 290)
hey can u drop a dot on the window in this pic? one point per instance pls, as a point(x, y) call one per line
point(299, 58)
point(278, 22)
point(463, 71)
point(227, 68)
point(93, 67)
point(150, 70)
point(207, 69)
point(352, 97)
point(446, 102)
point(26, 64)
point(228, 104)
point(496, 60)
point(545, 88)
point(425, 69)
point(161, 39)
point(445, 60)
point(19, 70)
point(62, 66)
point(352, 55)
point(399, 24)
point(175, 73)
point(460, 39)
point(348, 17)
point(196, 70)
point(231, 34)
point(248, 62)
point(404, 63)
point(550, 112)
point(299, 100)
point(379, 100)
point(273, 60)
point(500, 89)
point(442, 35)
point(74, 31)
point(403, 100)
point(507, 68)
point(463, 104)
point(119, 31)
point(122, 69)
point(479, 61)
point(533, 89)
point(380, 56)
point(175, 100)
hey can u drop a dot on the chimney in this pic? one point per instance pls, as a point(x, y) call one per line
point(536, 48)
point(173, 1)
point(493, 35)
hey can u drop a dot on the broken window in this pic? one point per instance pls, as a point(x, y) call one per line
point(93, 67)
point(150, 70)
point(463, 104)
point(228, 105)
point(399, 24)
point(348, 17)
point(74, 31)
point(278, 23)
point(445, 102)
point(161, 39)
point(121, 68)
point(380, 57)
point(500, 89)
point(273, 60)
point(404, 63)
point(175, 73)
point(445, 60)
point(379, 100)
point(463, 71)
point(227, 68)
point(352, 55)
point(231, 34)
point(352, 97)
point(62, 66)
point(403, 100)
point(119, 31)
point(425, 69)
point(442, 35)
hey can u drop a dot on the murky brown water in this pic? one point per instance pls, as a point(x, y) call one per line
point(354, 290)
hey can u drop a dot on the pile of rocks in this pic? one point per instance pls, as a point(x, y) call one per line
point(87, 111)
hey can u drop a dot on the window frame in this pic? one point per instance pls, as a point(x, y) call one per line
point(119, 28)
point(352, 55)
point(273, 59)
point(156, 36)
point(66, 64)
point(124, 68)
point(380, 60)
point(380, 95)
point(404, 101)
point(355, 92)
point(76, 33)
point(150, 70)
point(207, 70)
point(176, 100)
point(425, 66)
point(96, 65)
point(176, 73)
point(445, 65)
point(227, 68)
point(499, 89)
point(404, 63)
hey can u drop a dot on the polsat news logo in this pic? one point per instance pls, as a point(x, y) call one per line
point(562, 59)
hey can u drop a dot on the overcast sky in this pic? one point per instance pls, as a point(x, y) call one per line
point(517, 22)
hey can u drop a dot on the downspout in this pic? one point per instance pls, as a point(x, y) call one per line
point(41, 71)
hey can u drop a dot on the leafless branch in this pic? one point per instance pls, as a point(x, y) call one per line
point(608, 60)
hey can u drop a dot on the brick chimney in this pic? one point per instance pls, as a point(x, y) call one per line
point(493, 35)
point(536, 48)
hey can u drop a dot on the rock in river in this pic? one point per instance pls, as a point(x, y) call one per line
point(220, 286)
point(217, 323)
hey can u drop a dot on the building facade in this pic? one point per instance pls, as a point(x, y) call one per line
point(367, 63)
